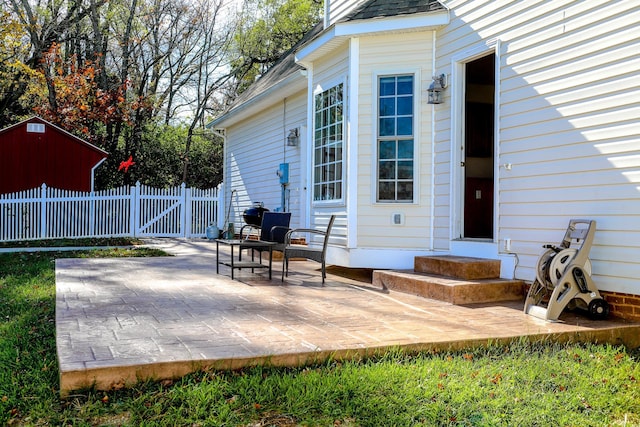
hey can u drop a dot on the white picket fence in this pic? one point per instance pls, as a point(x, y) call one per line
point(139, 211)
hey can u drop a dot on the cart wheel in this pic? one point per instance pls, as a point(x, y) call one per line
point(598, 309)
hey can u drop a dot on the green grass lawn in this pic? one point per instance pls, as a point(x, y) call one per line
point(518, 385)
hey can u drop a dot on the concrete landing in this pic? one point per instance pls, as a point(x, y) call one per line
point(459, 267)
point(453, 279)
point(453, 291)
point(119, 321)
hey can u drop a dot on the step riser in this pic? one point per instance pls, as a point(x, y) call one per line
point(459, 267)
point(453, 291)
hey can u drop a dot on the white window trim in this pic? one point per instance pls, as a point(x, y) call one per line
point(318, 89)
point(417, 129)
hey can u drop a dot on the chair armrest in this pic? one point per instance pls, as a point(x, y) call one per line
point(287, 237)
point(281, 230)
point(250, 226)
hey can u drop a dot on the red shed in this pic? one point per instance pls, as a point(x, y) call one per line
point(35, 151)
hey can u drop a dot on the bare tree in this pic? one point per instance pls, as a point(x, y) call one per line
point(210, 70)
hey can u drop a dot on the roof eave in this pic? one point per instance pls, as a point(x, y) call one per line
point(344, 30)
point(293, 83)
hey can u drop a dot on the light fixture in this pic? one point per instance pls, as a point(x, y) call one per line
point(437, 86)
point(293, 137)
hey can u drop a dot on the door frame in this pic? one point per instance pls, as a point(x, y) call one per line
point(457, 86)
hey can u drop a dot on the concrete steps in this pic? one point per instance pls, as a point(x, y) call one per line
point(453, 279)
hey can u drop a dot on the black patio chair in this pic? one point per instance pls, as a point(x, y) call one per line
point(274, 227)
point(314, 253)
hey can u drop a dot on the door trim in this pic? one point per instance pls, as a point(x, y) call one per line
point(457, 86)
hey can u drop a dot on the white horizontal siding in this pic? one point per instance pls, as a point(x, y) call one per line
point(570, 102)
point(255, 149)
point(391, 55)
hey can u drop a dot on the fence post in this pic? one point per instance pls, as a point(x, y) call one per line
point(186, 211)
point(92, 212)
point(135, 209)
point(43, 211)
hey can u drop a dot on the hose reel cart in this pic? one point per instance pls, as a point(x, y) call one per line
point(563, 277)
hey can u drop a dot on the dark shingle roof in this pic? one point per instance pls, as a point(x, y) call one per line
point(383, 8)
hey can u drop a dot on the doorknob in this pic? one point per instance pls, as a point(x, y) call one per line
point(462, 164)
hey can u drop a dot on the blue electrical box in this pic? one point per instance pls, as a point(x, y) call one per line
point(283, 173)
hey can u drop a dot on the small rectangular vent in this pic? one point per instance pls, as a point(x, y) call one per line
point(35, 127)
point(397, 219)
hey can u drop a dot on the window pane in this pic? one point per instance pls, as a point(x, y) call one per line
point(331, 172)
point(387, 107)
point(405, 126)
point(332, 134)
point(387, 170)
point(387, 127)
point(330, 191)
point(405, 106)
point(387, 86)
point(405, 169)
point(386, 190)
point(405, 149)
point(405, 191)
point(405, 85)
point(387, 150)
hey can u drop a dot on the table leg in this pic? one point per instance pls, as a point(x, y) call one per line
point(270, 259)
point(217, 257)
point(232, 262)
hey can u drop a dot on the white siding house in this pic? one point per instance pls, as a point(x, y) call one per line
point(538, 125)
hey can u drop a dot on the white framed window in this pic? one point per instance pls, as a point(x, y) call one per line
point(328, 144)
point(35, 127)
point(395, 138)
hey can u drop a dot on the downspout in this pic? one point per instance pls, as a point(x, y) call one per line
point(433, 152)
point(93, 173)
point(283, 185)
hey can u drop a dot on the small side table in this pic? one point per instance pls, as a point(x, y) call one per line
point(243, 264)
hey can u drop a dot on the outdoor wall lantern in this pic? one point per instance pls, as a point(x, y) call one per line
point(293, 138)
point(436, 89)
